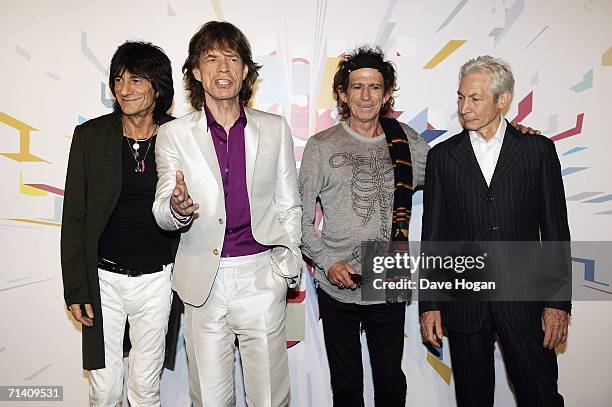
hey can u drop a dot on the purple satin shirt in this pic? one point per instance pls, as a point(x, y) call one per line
point(239, 240)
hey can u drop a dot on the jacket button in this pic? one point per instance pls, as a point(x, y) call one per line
point(220, 221)
point(493, 228)
point(490, 198)
point(216, 252)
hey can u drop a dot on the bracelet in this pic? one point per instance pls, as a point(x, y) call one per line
point(178, 217)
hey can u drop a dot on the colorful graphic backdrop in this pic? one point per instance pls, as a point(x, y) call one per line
point(55, 57)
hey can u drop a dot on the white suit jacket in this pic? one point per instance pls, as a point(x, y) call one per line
point(186, 144)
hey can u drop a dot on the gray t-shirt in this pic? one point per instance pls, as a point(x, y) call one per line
point(353, 178)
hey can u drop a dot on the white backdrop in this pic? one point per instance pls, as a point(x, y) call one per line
point(55, 57)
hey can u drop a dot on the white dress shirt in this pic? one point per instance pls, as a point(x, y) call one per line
point(487, 151)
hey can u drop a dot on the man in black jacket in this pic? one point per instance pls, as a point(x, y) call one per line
point(116, 261)
point(490, 183)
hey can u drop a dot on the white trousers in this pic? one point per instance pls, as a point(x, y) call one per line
point(145, 301)
point(247, 301)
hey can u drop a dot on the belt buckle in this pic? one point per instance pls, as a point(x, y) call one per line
point(134, 273)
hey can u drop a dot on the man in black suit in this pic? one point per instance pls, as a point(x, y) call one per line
point(491, 183)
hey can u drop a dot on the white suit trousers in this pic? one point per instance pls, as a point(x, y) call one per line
point(145, 301)
point(247, 301)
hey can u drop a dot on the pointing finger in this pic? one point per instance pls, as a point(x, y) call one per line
point(180, 178)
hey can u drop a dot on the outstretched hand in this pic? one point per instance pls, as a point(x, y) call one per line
point(180, 200)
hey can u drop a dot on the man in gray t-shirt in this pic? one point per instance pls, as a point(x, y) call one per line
point(352, 176)
point(348, 168)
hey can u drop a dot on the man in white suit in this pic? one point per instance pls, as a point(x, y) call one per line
point(241, 222)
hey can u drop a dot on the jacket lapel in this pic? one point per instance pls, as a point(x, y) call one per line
point(464, 154)
point(512, 149)
point(203, 139)
point(112, 167)
point(114, 152)
point(251, 144)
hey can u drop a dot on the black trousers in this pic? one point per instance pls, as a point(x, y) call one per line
point(384, 328)
point(531, 367)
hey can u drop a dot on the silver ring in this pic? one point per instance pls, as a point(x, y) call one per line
point(341, 286)
point(562, 334)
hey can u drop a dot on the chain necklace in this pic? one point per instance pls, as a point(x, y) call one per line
point(140, 164)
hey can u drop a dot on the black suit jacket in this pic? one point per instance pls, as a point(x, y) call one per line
point(524, 202)
point(92, 189)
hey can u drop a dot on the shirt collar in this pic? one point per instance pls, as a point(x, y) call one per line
point(497, 138)
point(210, 119)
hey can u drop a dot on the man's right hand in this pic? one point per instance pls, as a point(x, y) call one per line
point(78, 316)
point(180, 201)
point(431, 327)
point(340, 274)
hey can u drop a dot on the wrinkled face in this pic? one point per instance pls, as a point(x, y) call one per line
point(365, 95)
point(221, 74)
point(134, 94)
point(476, 105)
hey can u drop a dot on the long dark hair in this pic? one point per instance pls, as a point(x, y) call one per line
point(148, 61)
point(219, 35)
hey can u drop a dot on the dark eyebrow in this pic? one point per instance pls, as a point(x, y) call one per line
point(218, 53)
point(471, 95)
point(364, 84)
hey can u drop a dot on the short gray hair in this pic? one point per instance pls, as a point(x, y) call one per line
point(499, 71)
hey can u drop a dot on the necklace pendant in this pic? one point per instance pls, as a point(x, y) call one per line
point(136, 155)
point(140, 167)
point(136, 146)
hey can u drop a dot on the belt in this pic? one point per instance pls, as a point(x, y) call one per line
point(119, 269)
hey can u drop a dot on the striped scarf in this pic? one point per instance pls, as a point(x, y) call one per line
point(399, 150)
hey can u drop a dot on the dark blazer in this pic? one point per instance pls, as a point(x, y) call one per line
point(524, 202)
point(92, 189)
